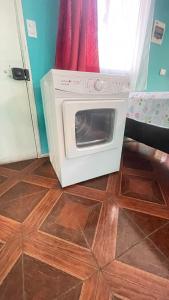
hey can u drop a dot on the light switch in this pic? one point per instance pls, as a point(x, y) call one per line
point(31, 28)
point(162, 72)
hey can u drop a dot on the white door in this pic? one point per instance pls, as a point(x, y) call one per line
point(93, 126)
point(17, 141)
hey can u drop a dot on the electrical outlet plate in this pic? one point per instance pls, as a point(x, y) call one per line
point(162, 72)
point(31, 28)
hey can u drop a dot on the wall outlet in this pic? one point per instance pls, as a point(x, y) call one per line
point(163, 72)
point(31, 28)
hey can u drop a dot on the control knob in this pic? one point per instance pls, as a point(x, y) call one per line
point(98, 85)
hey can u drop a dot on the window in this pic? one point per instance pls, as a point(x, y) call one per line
point(124, 33)
point(117, 30)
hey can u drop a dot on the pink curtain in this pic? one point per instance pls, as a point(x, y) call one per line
point(77, 40)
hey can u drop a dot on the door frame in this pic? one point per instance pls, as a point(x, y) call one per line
point(26, 63)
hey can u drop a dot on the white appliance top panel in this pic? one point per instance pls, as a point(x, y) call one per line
point(61, 96)
point(91, 83)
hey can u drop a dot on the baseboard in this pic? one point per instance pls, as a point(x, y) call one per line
point(16, 159)
point(43, 155)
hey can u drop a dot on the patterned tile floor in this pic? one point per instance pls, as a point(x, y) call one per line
point(104, 239)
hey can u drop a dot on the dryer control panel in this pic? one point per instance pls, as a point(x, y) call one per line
point(91, 83)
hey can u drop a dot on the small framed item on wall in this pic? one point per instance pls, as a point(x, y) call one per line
point(158, 32)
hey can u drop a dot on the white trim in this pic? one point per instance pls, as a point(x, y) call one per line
point(16, 159)
point(26, 61)
point(43, 155)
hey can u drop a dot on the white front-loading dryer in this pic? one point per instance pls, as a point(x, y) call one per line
point(85, 117)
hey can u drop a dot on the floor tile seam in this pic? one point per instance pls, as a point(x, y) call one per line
point(96, 232)
point(89, 188)
point(36, 176)
point(114, 199)
point(124, 195)
point(157, 203)
point(154, 181)
point(90, 247)
point(146, 235)
point(77, 222)
point(162, 193)
point(37, 206)
point(64, 269)
point(61, 239)
point(14, 182)
point(132, 221)
point(123, 255)
point(24, 180)
point(10, 223)
point(13, 235)
point(161, 208)
point(27, 195)
point(142, 174)
point(159, 228)
point(9, 175)
point(95, 237)
point(82, 281)
point(23, 277)
point(133, 246)
point(33, 165)
point(158, 249)
point(117, 258)
point(99, 282)
point(11, 266)
point(68, 291)
point(108, 184)
point(97, 273)
point(136, 282)
point(95, 267)
point(89, 250)
point(74, 193)
point(148, 172)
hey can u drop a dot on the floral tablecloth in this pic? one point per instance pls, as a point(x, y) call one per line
point(151, 108)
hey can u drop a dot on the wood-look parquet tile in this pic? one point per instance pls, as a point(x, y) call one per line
point(131, 161)
point(18, 166)
point(147, 257)
point(147, 223)
point(73, 294)
point(128, 234)
point(42, 281)
point(99, 183)
point(20, 207)
point(131, 283)
point(160, 238)
point(106, 238)
point(70, 216)
point(45, 170)
point(2, 179)
point(21, 189)
point(12, 286)
point(141, 188)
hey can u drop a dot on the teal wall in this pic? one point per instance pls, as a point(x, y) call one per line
point(159, 54)
point(41, 50)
